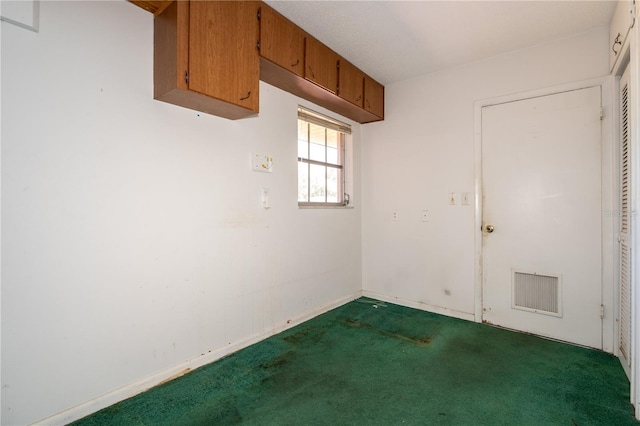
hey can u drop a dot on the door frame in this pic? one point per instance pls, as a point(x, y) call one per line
point(608, 161)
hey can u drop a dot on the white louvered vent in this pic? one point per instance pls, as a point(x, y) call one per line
point(537, 293)
point(625, 301)
point(625, 249)
point(624, 148)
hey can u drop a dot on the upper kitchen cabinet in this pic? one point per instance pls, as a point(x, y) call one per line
point(205, 57)
point(211, 55)
point(281, 41)
point(622, 21)
point(373, 97)
point(321, 65)
point(350, 83)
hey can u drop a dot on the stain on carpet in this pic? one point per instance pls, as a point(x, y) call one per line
point(423, 341)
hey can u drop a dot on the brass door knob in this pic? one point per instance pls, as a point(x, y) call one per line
point(489, 228)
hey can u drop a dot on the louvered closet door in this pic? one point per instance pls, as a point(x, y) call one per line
point(625, 223)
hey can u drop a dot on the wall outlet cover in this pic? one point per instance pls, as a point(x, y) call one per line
point(261, 163)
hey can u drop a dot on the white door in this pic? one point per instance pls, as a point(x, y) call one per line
point(541, 166)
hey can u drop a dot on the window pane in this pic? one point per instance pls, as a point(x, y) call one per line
point(320, 161)
point(303, 149)
point(333, 147)
point(333, 185)
point(303, 182)
point(317, 142)
point(303, 139)
point(318, 187)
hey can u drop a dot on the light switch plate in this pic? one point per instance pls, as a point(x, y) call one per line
point(261, 163)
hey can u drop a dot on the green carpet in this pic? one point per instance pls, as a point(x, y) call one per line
point(375, 363)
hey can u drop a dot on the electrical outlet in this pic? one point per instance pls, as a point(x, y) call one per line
point(425, 216)
point(394, 215)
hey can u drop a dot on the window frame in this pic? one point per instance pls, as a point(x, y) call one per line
point(311, 117)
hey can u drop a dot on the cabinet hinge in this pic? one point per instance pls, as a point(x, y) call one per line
point(258, 46)
point(186, 77)
point(259, 13)
point(601, 311)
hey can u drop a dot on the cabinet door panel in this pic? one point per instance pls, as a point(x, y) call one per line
point(281, 41)
point(223, 59)
point(350, 83)
point(373, 96)
point(321, 65)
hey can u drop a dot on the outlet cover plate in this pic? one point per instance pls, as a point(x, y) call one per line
point(262, 163)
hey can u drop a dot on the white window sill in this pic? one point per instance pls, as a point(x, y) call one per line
point(327, 207)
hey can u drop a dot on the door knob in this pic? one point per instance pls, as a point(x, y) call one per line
point(489, 228)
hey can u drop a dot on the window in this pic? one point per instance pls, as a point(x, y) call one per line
point(321, 160)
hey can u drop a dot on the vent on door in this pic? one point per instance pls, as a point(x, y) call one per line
point(537, 293)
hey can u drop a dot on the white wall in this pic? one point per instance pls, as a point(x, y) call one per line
point(424, 150)
point(133, 237)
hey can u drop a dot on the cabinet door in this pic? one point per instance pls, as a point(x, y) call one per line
point(223, 59)
point(321, 64)
point(350, 83)
point(281, 41)
point(373, 96)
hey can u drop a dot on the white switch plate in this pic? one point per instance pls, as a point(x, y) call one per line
point(425, 216)
point(453, 199)
point(261, 163)
point(466, 199)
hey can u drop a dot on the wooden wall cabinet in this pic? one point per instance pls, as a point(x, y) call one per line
point(350, 83)
point(211, 55)
point(205, 57)
point(321, 65)
point(373, 97)
point(327, 79)
point(281, 41)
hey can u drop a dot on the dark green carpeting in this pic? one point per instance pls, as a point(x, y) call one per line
point(374, 363)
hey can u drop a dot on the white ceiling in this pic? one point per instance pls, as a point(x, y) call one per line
point(396, 40)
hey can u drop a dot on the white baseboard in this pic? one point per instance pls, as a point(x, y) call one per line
point(106, 400)
point(419, 305)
